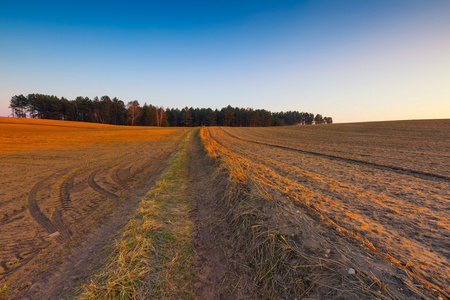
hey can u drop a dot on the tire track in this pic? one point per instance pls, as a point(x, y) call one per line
point(419, 277)
point(57, 220)
point(15, 215)
point(121, 176)
point(23, 262)
point(18, 255)
point(64, 193)
point(99, 189)
point(426, 175)
point(51, 226)
point(320, 186)
point(36, 213)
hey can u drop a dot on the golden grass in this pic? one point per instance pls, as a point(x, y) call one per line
point(153, 258)
point(280, 260)
point(248, 215)
point(399, 142)
point(4, 292)
point(20, 135)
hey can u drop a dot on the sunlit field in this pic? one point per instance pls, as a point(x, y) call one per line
point(61, 180)
point(383, 187)
point(352, 211)
point(20, 135)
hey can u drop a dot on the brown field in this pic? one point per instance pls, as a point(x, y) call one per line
point(64, 181)
point(342, 211)
point(377, 194)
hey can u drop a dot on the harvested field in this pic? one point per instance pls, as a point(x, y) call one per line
point(343, 211)
point(66, 188)
point(373, 197)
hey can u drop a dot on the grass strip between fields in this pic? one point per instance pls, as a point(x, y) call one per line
point(153, 258)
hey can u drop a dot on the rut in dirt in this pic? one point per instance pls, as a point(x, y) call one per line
point(401, 170)
point(216, 271)
point(94, 185)
point(92, 251)
point(56, 225)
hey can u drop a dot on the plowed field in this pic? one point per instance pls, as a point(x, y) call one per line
point(62, 180)
point(358, 211)
point(381, 191)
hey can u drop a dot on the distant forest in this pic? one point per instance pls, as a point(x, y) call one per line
point(114, 111)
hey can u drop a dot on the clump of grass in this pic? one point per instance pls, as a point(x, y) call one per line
point(4, 292)
point(252, 229)
point(154, 256)
point(264, 234)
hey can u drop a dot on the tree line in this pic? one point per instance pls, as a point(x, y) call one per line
point(115, 111)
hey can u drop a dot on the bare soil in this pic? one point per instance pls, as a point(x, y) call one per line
point(356, 210)
point(218, 274)
point(60, 208)
point(385, 186)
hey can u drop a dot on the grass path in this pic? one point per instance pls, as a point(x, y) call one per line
point(206, 230)
point(153, 259)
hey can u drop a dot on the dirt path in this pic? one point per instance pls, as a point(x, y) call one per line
point(77, 210)
point(217, 273)
point(72, 255)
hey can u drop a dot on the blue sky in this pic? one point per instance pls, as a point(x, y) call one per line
point(356, 61)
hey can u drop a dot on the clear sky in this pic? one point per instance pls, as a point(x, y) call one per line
point(362, 60)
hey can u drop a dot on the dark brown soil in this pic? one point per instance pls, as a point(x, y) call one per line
point(216, 266)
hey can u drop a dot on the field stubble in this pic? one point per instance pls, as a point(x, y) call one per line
point(63, 181)
point(381, 190)
point(347, 210)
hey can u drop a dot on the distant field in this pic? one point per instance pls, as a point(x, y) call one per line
point(385, 186)
point(20, 135)
point(59, 180)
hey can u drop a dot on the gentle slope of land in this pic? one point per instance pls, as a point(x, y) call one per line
point(67, 187)
point(384, 186)
point(329, 211)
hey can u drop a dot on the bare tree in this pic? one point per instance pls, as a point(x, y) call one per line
point(134, 111)
point(159, 115)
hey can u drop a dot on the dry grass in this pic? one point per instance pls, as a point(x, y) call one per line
point(299, 206)
point(4, 292)
point(153, 258)
point(296, 248)
point(65, 188)
point(252, 226)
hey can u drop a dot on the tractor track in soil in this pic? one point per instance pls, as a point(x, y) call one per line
point(86, 256)
point(64, 192)
point(51, 226)
point(397, 169)
point(219, 272)
point(40, 217)
point(94, 185)
point(62, 195)
point(121, 175)
point(349, 201)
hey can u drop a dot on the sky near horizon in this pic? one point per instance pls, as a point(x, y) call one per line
point(352, 60)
